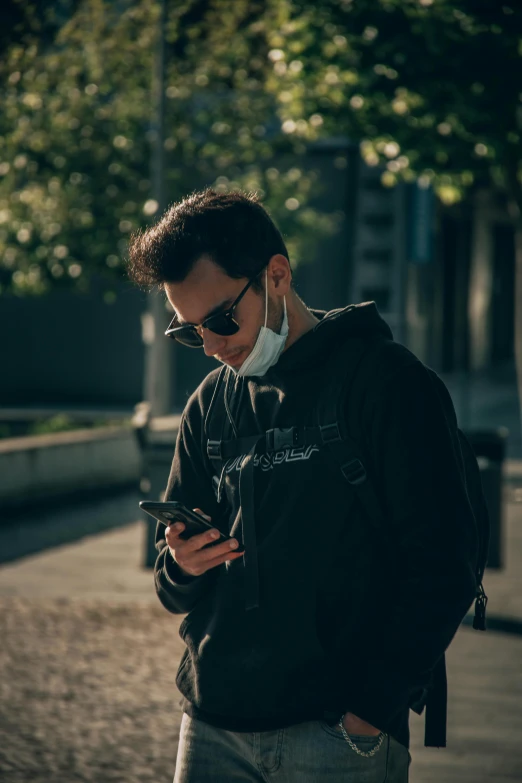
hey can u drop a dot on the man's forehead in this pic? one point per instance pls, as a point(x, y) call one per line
point(194, 304)
point(206, 290)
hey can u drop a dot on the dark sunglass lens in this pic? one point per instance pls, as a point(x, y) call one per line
point(187, 336)
point(222, 325)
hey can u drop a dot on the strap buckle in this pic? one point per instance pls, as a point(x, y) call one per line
point(354, 472)
point(278, 439)
point(330, 432)
point(214, 449)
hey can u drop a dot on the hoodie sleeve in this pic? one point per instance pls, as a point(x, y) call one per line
point(190, 483)
point(413, 442)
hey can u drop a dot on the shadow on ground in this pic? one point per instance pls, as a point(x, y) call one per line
point(33, 531)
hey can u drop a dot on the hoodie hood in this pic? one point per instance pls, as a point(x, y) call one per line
point(356, 320)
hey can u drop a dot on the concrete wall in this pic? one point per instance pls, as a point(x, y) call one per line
point(52, 466)
point(73, 349)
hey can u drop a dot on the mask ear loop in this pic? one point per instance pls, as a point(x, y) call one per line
point(266, 297)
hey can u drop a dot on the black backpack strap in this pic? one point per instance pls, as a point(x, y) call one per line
point(339, 446)
point(216, 415)
point(347, 456)
point(436, 708)
point(217, 420)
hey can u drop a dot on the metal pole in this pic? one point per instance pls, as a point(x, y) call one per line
point(159, 353)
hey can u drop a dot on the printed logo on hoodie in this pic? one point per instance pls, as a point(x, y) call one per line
point(269, 461)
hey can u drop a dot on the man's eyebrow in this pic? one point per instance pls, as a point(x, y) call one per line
point(214, 311)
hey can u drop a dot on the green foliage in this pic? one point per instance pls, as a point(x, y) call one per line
point(59, 423)
point(75, 134)
point(73, 148)
point(64, 423)
point(429, 88)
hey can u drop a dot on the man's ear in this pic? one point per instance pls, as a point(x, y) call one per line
point(280, 273)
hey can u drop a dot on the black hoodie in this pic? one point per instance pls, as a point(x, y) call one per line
point(345, 623)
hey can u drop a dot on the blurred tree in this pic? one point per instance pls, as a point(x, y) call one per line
point(21, 20)
point(432, 89)
point(72, 158)
point(75, 131)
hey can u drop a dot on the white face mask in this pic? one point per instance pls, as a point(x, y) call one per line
point(268, 347)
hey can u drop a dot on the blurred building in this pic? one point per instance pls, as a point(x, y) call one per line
point(442, 277)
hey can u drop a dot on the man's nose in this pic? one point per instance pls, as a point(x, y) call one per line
point(212, 342)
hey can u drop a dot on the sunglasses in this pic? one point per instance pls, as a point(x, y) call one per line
point(221, 323)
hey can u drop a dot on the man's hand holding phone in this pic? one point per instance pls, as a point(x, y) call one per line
point(190, 554)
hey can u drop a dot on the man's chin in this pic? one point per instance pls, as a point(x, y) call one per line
point(235, 360)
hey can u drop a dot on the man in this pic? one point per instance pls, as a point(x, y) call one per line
point(305, 646)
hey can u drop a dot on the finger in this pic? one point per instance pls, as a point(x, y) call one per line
point(199, 540)
point(199, 511)
point(196, 542)
point(173, 532)
point(202, 567)
point(210, 553)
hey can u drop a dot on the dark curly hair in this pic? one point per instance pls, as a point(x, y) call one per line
point(233, 229)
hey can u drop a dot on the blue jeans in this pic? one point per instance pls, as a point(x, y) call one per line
point(309, 752)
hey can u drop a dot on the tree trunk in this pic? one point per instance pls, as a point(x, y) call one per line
point(518, 306)
point(159, 353)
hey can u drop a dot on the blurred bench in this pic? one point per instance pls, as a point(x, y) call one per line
point(39, 468)
point(156, 438)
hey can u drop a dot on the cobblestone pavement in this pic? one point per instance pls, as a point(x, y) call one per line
point(88, 661)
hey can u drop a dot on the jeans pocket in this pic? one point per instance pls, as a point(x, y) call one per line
point(363, 742)
point(336, 732)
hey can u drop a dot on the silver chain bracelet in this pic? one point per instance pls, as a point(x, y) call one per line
point(367, 754)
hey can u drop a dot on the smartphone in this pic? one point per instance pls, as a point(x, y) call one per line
point(170, 511)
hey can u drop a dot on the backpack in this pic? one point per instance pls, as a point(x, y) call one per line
point(346, 456)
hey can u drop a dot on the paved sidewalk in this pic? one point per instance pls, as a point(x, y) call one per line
point(104, 570)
